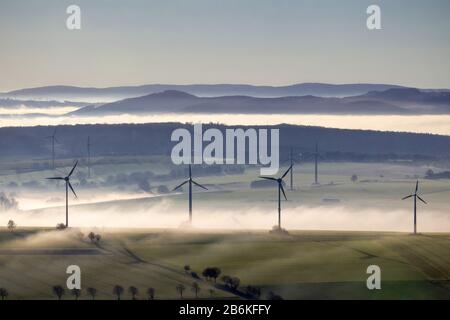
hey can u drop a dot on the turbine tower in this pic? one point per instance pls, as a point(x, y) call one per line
point(292, 171)
point(280, 189)
point(53, 137)
point(68, 185)
point(416, 196)
point(316, 164)
point(292, 162)
point(190, 181)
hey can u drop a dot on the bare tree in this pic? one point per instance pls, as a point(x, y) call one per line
point(95, 238)
point(91, 236)
point(60, 226)
point(58, 291)
point(180, 288)
point(3, 293)
point(151, 293)
point(195, 289)
point(118, 291)
point(76, 293)
point(11, 225)
point(133, 291)
point(92, 292)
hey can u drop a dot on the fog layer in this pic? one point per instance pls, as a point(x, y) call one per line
point(437, 124)
point(166, 214)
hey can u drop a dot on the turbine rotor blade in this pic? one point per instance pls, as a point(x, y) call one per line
point(71, 188)
point(71, 171)
point(421, 199)
point(199, 185)
point(284, 175)
point(417, 185)
point(411, 195)
point(55, 178)
point(269, 178)
point(282, 190)
point(179, 186)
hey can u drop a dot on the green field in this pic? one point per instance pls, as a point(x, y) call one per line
point(302, 265)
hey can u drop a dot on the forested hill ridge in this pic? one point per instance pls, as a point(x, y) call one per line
point(154, 139)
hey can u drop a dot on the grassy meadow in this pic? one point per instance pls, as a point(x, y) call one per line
point(302, 265)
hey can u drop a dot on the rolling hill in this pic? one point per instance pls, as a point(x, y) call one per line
point(391, 101)
point(207, 90)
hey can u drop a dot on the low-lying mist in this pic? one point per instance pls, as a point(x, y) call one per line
point(437, 124)
point(165, 213)
point(24, 110)
point(35, 200)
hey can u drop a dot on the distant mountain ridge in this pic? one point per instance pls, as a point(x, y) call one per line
point(392, 101)
point(203, 90)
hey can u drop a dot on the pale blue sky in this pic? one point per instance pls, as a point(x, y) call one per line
point(273, 42)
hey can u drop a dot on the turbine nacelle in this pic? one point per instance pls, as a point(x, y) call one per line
point(415, 194)
point(67, 179)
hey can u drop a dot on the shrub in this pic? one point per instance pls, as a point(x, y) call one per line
point(11, 225)
point(60, 226)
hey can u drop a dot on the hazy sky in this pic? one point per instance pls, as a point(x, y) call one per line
point(223, 41)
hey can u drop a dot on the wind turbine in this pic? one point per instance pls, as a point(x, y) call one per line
point(292, 171)
point(292, 162)
point(68, 185)
point(53, 137)
point(316, 164)
point(280, 189)
point(190, 181)
point(416, 196)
